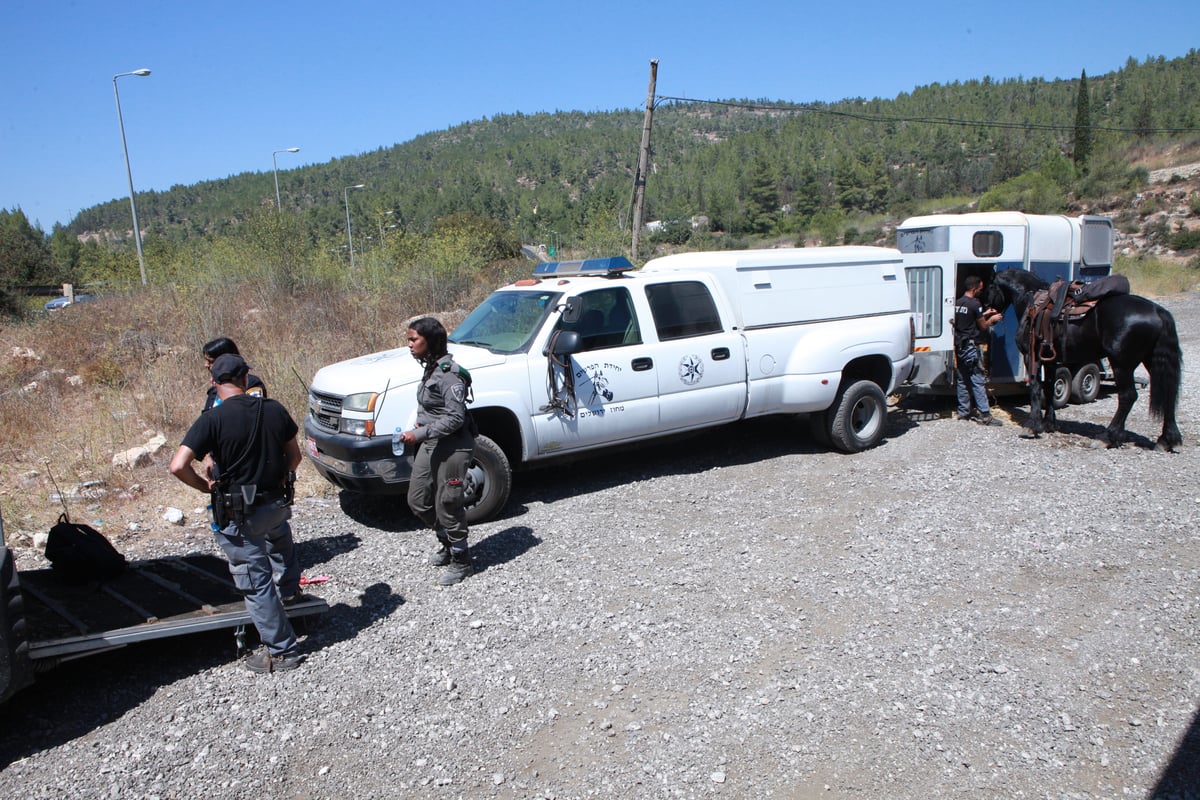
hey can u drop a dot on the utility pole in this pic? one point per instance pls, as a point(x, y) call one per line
point(639, 180)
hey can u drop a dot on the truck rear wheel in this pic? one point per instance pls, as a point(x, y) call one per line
point(1085, 386)
point(859, 417)
point(489, 481)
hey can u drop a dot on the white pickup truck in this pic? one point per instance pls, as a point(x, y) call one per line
point(591, 354)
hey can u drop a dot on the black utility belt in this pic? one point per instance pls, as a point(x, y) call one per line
point(237, 499)
point(232, 506)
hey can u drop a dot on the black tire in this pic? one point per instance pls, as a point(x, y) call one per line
point(818, 426)
point(1085, 386)
point(1062, 387)
point(489, 481)
point(16, 672)
point(859, 417)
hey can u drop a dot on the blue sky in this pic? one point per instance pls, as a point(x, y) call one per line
point(232, 82)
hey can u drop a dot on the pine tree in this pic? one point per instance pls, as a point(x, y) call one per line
point(1083, 125)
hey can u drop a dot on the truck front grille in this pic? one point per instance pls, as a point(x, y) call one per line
point(326, 410)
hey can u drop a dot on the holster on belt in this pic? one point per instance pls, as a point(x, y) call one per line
point(228, 506)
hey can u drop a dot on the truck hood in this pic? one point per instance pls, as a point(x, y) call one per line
point(397, 367)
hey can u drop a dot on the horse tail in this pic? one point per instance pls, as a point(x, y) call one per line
point(1166, 368)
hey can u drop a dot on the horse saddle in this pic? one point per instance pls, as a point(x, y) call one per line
point(1048, 311)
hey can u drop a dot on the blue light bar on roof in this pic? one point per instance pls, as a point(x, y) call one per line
point(588, 266)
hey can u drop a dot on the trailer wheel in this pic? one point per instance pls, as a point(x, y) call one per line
point(489, 481)
point(1062, 387)
point(859, 417)
point(1085, 386)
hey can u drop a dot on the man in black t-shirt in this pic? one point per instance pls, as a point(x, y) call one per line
point(253, 442)
point(970, 321)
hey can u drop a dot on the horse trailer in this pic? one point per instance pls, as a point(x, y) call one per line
point(941, 250)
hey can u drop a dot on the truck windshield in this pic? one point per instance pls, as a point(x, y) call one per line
point(507, 321)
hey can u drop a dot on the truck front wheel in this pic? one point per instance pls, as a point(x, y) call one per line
point(859, 417)
point(489, 481)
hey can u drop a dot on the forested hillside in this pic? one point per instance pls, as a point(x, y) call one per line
point(734, 169)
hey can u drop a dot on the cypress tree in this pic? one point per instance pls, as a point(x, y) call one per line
point(1083, 125)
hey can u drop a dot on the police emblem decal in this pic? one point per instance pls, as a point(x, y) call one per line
point(691, 369)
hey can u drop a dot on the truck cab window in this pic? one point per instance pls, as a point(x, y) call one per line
point(682, 309)
point(506, 322)
point(605, 320)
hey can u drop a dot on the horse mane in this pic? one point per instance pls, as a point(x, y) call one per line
point(1020, 280)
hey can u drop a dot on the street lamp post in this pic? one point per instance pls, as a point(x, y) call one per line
point(349, 235)
point(278, 203)
point(381, 225)
point(137, 231)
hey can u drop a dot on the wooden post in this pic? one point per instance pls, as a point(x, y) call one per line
point(69, 291)
point(639, 180)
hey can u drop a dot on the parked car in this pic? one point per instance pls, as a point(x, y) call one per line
point(64, 301)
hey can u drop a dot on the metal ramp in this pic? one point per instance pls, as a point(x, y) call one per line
point(152, 599)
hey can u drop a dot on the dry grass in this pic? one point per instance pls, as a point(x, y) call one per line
point(1157, 277)
point(93, 380)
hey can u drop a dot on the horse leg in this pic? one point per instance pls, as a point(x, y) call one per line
point(1170, 439)
point(1126, 397)
point(1036, 423)
point(1048, 378)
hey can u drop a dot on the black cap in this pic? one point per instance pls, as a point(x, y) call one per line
point(228, 368)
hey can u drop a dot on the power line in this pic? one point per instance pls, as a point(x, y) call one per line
point(1025, 126)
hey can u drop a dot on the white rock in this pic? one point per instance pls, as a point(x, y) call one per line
point(174, 516)
point(133, 457)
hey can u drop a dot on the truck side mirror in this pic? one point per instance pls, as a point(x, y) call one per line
point(563, 343)
point(571, 310)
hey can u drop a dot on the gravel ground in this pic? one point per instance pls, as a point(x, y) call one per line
point(958, 613)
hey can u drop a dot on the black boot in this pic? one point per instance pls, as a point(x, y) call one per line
point(442, 556)
point(459, 567)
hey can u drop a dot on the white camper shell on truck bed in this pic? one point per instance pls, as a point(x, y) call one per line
point(805, 313)
point(588, 355)
point(941, 250)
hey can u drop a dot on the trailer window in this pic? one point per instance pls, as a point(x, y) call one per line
point(682, 309)
point(987, 244)
point(925, 299)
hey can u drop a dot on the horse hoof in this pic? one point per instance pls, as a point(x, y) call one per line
point(1030, 435)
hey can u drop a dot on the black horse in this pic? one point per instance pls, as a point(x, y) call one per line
point(1124, 328)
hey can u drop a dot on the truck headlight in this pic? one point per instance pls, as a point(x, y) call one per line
point(357, 427)
point(363, 401)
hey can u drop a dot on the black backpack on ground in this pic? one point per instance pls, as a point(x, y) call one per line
point(79, 553)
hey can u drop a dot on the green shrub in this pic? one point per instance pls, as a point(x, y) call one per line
point(1185, 240)
point(1033, 193)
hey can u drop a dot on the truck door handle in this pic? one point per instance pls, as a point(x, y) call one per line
point(720, 354)
point(642, 364)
